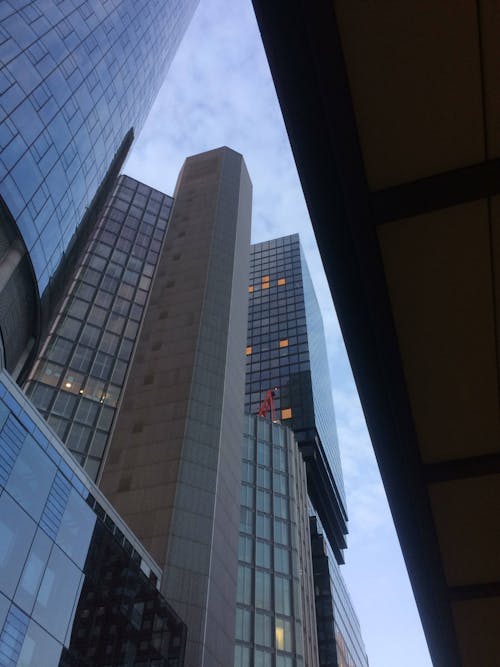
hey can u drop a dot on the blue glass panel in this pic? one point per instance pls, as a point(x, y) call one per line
point(76, 528)
point(16, 534)
point(39, 648)
point(56, 505)
point(33, 571)
point(31, 478)
point(57, 594)
point(12, 637)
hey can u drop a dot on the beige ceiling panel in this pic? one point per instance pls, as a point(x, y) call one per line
point(438, 271)
point(477, 624)
point(490, 46)
point(415, 81)
point(467, 517)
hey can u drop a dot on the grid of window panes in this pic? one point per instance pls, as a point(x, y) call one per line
point(268, 624)
point(75, 584)
point(340, 631)
point(76, 77)
point(77, 380)
point(277, 352)
point(286, 345)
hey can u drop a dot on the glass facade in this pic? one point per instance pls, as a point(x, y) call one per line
point(274, 584)
point(76, 77)
point(76, 588)
point(339, 633)
point(79, 374)
point(286, 349)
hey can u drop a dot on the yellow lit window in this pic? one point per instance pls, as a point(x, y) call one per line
point(248, 350)
point(281, 281)
point(286, 413)
point(280, 638)
point(265, 279)
point(250, 289)
point(265, 285)
point(284, 342)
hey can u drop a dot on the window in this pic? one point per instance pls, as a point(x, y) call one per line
point(282, 595)
point(281, 281)
point(263, 633)
point(284, 342)
point(248, 350)
point(243, 625)
point(286, 413)
point(243, 590)
point(283, 635)
point(262, 589)
point(250, 289)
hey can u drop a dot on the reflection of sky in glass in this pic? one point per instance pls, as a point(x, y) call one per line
point(73, 82)
point(55, 556)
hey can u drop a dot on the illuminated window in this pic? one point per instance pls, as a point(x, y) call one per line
point(281, 281)
point(280, 638)
point(248, 350)
point(265, 282)
point(265, 285)
point(250, 289)
point(284, 342)
point(286, 413)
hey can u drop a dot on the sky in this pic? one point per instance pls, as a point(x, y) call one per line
point(219, 92)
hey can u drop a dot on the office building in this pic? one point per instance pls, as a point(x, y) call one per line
point(339, 634)
point(275, 613)
point(79, 373)
point(76, 84)
point(76, 586)
point(286, 350)
point(173, 467)
point(286, 355)
point(392, 112)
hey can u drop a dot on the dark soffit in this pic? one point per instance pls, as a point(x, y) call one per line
point(305, 56)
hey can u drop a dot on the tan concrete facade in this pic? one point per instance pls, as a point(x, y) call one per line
point(173, 466)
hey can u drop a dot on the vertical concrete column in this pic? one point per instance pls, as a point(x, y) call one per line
point(173, 467)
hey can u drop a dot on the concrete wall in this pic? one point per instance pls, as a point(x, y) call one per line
point(173, 468)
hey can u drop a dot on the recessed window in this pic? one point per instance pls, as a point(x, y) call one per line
point(248, 350)
point(286, 413)
point(284, 342)
point(281, 281)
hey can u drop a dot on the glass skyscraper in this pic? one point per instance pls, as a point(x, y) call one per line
point(79, 374)
point(77, 82)
point(286, 351)
point(286, 354)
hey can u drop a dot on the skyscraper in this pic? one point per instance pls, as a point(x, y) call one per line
point(173, 466)
point(76, 84)
point(80, 370)
point(286, 350)
point(286, 355)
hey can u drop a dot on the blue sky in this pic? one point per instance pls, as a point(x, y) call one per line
point(218, 92)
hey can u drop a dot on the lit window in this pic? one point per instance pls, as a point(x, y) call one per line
point(250, 289)
point(284, 342)
point(265, 279)
point(280, 638)
point(286, 413)
point(265, 285)
point(248, 350)
point(281, 281)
